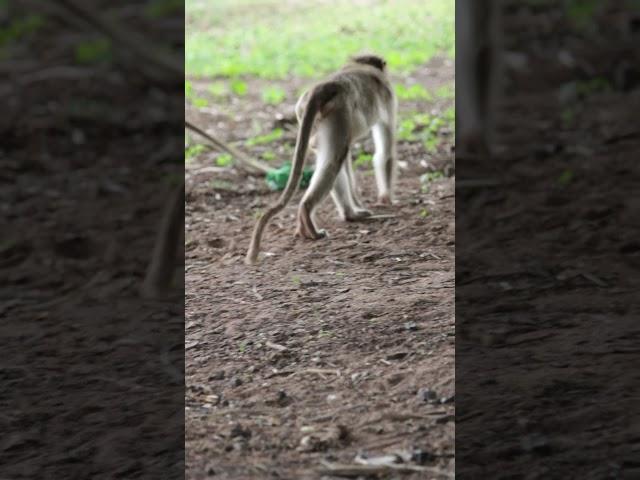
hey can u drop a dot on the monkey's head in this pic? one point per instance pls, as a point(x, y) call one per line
point(372, 60)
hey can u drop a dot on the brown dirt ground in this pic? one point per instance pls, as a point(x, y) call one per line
point(547, 269)
point(91, 375)
point(322, 350)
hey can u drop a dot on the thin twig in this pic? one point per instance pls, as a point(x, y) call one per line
point(254, 164)
point(275, 346)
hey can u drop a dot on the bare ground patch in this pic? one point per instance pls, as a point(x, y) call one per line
point(327, 349)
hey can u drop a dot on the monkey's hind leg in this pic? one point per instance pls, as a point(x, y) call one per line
point(352, 184)
point(384, 161)
point(332, 151)
point(342, 195)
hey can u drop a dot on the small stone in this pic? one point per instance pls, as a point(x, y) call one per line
point(421, 457)
point(427, 395)
point(235, 382)
point(395, 379)
point(397, 355)
point(239, 431)
point(411, 326)
point(280, 399)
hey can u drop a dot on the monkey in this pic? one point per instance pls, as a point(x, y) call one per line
point(165, 253)
point(345, 107)
point(477, 67)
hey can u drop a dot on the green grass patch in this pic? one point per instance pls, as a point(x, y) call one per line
point(445, 92)
point(273, 95)
point(268, 156)
point(273, 39)
point(414, 92)
point(363, 159)
point(19, 28)
point(239, 87)
point(163, 8)
point(93, 51)
point(193, 151)
point(406, 129)
point(200, 102)
point(427, 128)
point(428, 178)
point(266, 138)
point(431, 176)
point(224, 160)
point(565, 177)
point(582, 13)
point(219, 89)
point(594, 85)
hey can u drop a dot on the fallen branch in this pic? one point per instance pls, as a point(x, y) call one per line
point(164, 60)
point(220, 145)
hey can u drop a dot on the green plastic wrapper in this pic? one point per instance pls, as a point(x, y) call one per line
point(277, 179)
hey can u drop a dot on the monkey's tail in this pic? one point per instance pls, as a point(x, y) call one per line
point(320, 95)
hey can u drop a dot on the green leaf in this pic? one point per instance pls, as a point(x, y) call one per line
point(224, 160)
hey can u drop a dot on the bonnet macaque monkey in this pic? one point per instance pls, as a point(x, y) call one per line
point(477, 72)
point(345, 107)
point(165, 253)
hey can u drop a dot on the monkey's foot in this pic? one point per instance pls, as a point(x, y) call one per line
point(315, 235)
point(358, 214)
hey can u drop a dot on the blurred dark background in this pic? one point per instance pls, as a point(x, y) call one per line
point(547, 252)
point(91, 128)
